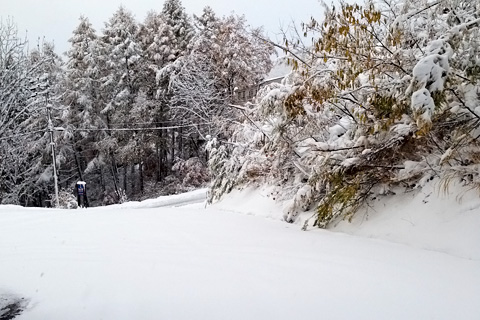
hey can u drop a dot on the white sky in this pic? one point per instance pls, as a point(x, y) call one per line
point(56, 19)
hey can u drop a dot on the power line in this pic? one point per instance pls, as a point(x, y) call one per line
point(146, 123)
point(108, 129)
point(143, 129)
point(22, 134)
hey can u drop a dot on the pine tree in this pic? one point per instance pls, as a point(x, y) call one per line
point(121, 56)
point(81, 97)
point(176, 34)
point(180, 26)
point(240, 56)
point(156, 39)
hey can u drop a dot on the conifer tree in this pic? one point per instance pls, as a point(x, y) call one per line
point(179, 32)
point(180, 27)
point(121, 57)
point(82, 94)
point(156, 39)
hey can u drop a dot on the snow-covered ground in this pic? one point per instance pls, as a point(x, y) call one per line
point(430, 218)
point(419, 259)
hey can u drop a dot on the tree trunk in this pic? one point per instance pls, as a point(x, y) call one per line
point(114, 170)
point(132, 179)
point(102, 180)
point(173, 148)
point(125, 168)
point(142, 188)
point(79, 166)
point(159, 158)
point(180, 143)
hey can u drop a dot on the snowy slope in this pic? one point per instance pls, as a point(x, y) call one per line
point(194, 197)
point(429, 218)
point(139, 262)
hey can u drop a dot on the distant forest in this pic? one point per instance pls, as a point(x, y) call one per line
point(129, 109)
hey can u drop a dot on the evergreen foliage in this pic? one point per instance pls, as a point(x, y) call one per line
point(130, 110)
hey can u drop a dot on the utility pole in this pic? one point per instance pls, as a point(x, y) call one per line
point(52, 145)
point(42, 88)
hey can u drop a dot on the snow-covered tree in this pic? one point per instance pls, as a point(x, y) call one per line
point(240, 56)
point(157, 40)
point(223, 55)
point(180, 27)
point(207, 25)
point(82, 73)
point(15, 72)
point(385, 96)
point(196, 102)
point(89, 154)
point(47, 91)
point(172, 40)
point(82, 93)
point(33, 95)
point(121, 55)
point(138, 99)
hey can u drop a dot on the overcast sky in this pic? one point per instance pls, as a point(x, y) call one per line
point(56, 19)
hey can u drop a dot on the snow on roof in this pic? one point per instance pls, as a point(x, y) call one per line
point(279, 70)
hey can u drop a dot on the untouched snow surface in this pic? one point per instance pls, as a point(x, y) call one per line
point(138, 261)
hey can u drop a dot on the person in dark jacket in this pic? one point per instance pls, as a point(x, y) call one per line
point(81, 191)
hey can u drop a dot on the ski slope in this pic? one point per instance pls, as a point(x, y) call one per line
point(151, 261)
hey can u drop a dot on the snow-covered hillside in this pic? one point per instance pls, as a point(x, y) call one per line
point(149, 261)
point(429, 218)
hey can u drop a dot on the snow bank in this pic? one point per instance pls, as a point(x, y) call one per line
point(425, 218)
point(251, 201)
point(194, 197)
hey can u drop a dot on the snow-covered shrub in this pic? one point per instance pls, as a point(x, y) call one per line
point(386, 96)
point(110, 196)
point(172, 185)
point(240, 161)
point(191, 172)
point(223, 172)
point(66, 199)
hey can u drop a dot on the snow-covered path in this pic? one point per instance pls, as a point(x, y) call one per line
point(192, 263)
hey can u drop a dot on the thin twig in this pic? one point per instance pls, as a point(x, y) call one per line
point(283, 48)
point(463, 104)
